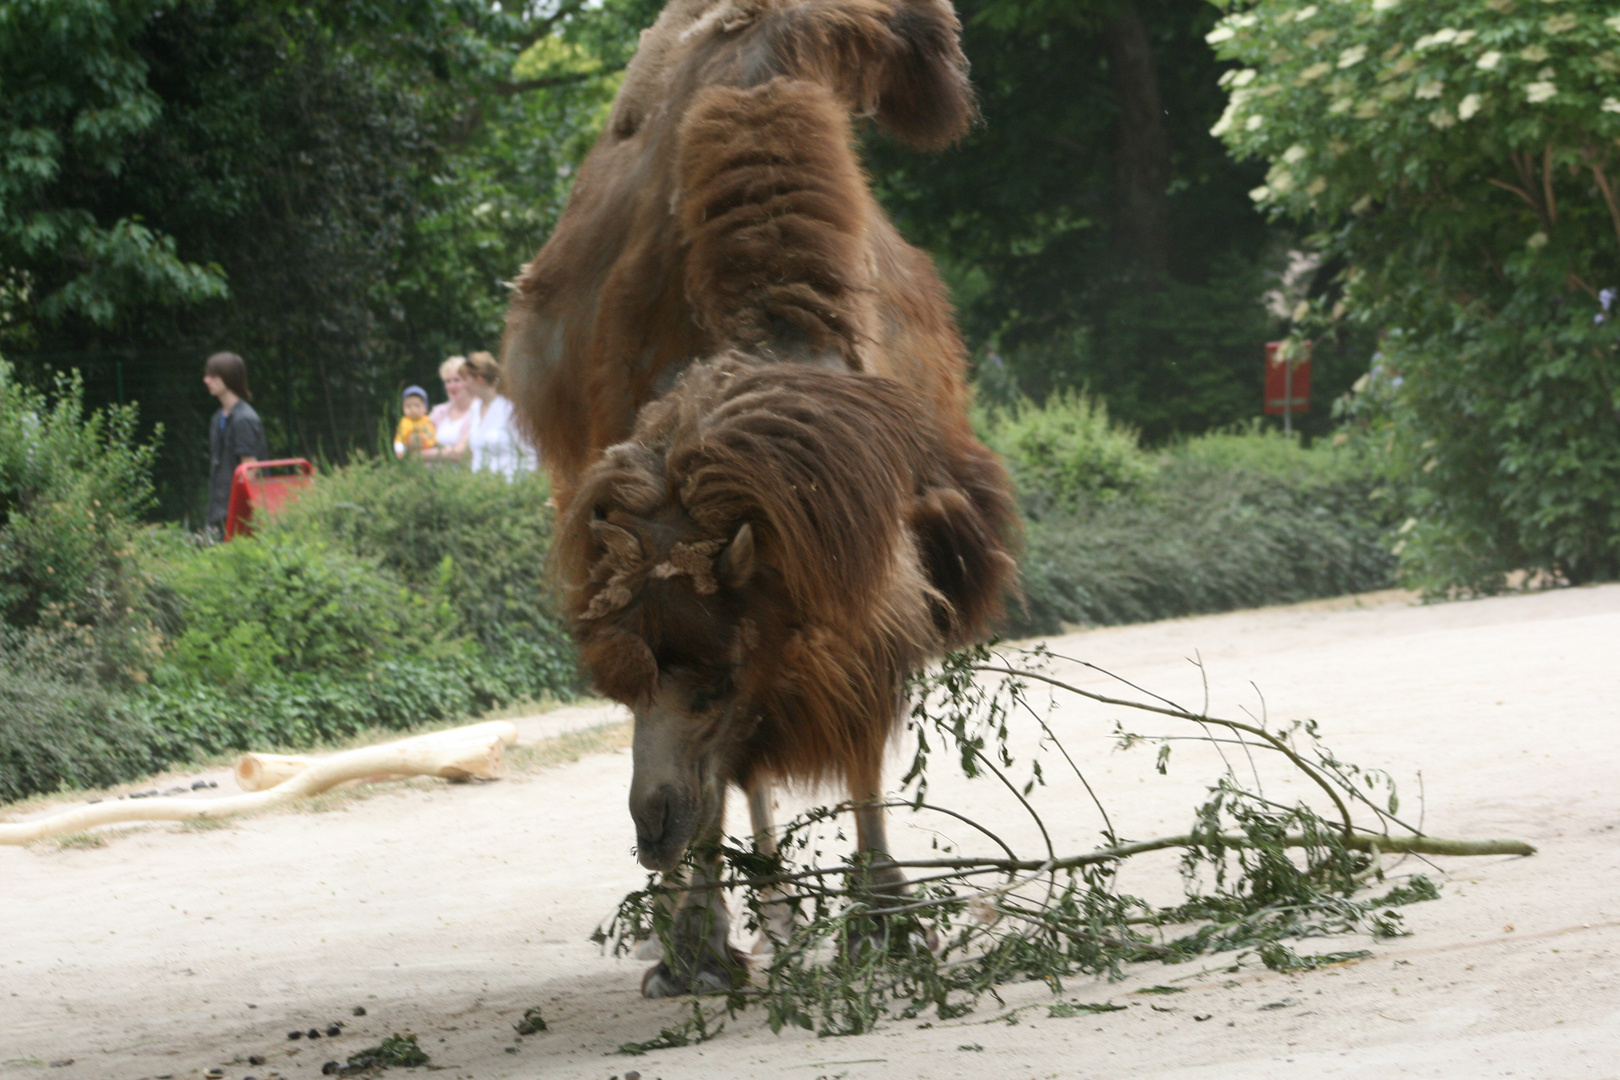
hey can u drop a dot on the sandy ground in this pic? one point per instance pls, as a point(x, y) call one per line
point(449, 910)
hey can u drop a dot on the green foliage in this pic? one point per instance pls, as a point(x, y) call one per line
point(476, 540)
point(76, 104)
point(72, 483)
point(60, 725)
point(1519, 464)
point(247, 610)
point(1033, 217)
point(394, 596)
point(363, 179)
point(1257, 874)
point(1461, 158)
point(1065, 452)
point(1234, 519)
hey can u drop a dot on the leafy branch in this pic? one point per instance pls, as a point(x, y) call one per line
point(1256, 873)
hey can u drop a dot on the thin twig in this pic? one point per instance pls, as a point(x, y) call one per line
point(1182, 714)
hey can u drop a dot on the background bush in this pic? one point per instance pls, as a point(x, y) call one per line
point(393, 595)
point(244, 612)
point(1459, 160)
point(478, 541)
point(1223, 521)
point(71, 487)
point(1065, 452)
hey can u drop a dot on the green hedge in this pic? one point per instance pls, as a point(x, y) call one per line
point(393, 595)
point(1228, 520)
point(1201, 540)
point(390, 596)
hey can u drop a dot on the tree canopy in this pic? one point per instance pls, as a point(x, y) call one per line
point(1460, 160)
point(1094, 230)
point(337, 191)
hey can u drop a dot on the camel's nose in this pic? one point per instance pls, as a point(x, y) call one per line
point(651, 815)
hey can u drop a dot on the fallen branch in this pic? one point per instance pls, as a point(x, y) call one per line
point(459, 753)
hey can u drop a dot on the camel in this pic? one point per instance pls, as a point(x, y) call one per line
point(750, 395)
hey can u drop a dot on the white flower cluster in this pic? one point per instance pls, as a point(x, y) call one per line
point(1448, 36)
point(1228, 28)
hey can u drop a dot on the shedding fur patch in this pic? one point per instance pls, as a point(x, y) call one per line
point(695, 560)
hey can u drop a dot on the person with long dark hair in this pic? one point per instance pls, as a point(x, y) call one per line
point(235, 433)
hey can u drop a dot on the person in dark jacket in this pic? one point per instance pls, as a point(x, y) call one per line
point(235, 433)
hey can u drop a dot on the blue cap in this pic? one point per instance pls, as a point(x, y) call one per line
point(416, 390)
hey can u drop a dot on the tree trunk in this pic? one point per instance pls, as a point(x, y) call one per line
point(1141, 201)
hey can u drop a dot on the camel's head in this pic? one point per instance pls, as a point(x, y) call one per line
point(745, 575)
point(670, 634)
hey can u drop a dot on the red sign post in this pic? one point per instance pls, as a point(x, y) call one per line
point(1288, 381)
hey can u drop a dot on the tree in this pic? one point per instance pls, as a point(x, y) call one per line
point(1094, 231)
point(74, 103)
point(336, 191)
point(1460, 158)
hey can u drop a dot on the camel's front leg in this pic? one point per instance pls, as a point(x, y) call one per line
point(775, 914)
point(872, 840)
point(698, 957)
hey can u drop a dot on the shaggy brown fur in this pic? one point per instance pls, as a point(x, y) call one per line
point(725, 208)
point(749, 393)
point(872, 557)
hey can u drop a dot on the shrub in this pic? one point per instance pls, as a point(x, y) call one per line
point(1460, 160)
point(1266, 451)
point(72, 485)
point(475, 539)
point(1501, 437)
point(1231, 520)
point(1065, 452)
point(246, 610)
point(59, 724)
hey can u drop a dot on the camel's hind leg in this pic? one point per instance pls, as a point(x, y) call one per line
point(776, 915)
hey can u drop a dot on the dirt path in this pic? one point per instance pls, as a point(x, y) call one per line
point(447, 911)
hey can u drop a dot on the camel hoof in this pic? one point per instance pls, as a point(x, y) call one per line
point(661, 982)
point(650, 949)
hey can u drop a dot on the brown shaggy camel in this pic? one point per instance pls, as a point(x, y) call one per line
point(749, 392)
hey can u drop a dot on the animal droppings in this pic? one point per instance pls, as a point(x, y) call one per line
point(198, 785)
point(359, 1010)
point(313, 1033)
point(331, 1068)
point(632, 1075)
point(335, 1030)
point(295, 1034)
point(214, 1074)
point(254, 1059)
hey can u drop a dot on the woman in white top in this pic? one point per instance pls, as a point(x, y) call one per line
point(491, 436)
point(450, 417)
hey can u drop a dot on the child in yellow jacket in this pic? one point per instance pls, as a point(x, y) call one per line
point(416, 432)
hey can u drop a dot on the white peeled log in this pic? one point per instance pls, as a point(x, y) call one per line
point(459, 753)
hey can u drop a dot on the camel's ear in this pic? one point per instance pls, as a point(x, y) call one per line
point(620, 544)
point(735, 565)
